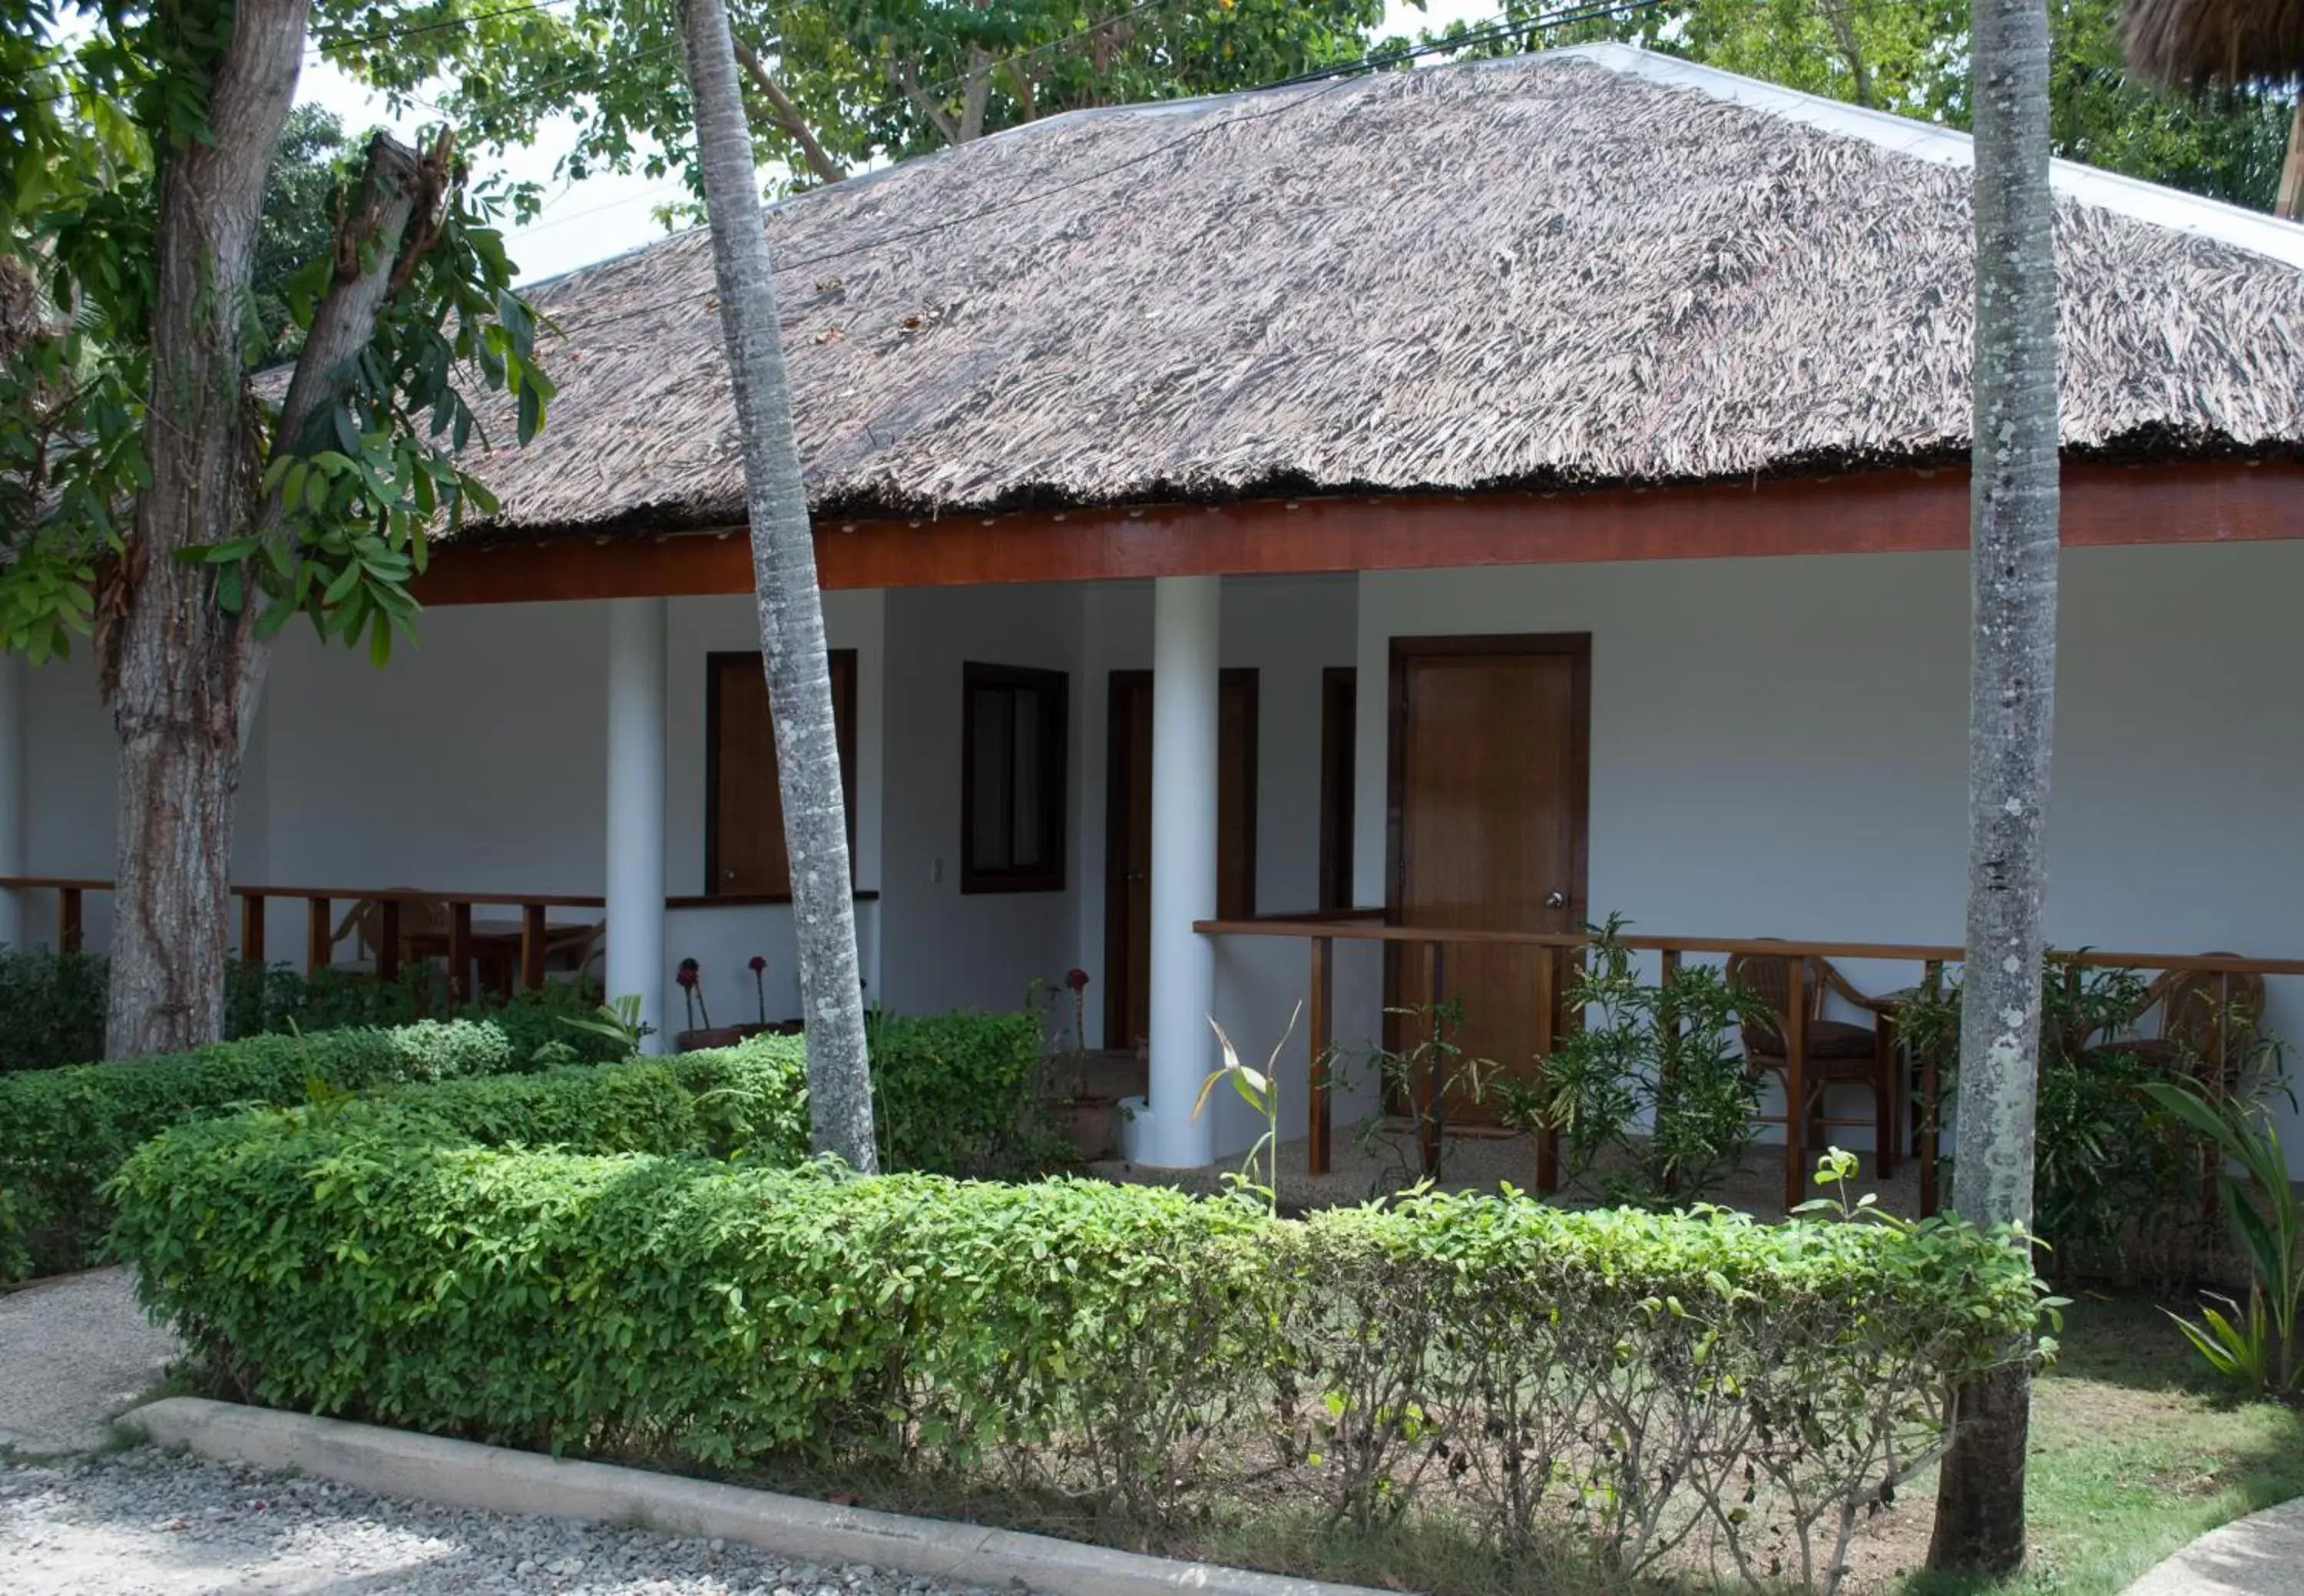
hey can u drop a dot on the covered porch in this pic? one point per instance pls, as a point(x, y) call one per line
point(1723, 749)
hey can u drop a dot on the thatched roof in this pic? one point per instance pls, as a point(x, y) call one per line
point(2194, 43)
point(1592, 267)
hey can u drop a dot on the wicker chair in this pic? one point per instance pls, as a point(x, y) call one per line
point(1834, 1052)
point(2196, 1035)
point(364, 924)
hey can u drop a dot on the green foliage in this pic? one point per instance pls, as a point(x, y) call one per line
point(63, 1132)
point(2117, 1183)
point(315, 161)
point(2261, 1350)
point(1654, 1079)
point(52, 1008)
point(1654, 1381)
point(952, 1094)
point(1912, 57)
point(1426, 1075)
point(339, 526)
point(1259, 1089)
point(867, 79)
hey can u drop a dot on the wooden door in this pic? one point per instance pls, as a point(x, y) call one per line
point(1489, 755)
point(1128, 837)
point(1339, 738)
point(743, 804)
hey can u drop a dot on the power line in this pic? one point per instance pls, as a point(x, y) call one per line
point(320, 46)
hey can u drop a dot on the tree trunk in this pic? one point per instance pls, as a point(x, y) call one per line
point(791, 611)
point(394, 181)
point(2011, 699)
point(170, 658)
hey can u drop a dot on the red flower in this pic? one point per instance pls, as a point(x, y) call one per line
point(759, 964)
point(689, 971)
point(1076, 979)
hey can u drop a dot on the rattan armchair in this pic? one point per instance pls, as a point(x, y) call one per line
point(1833, 1052)
point(2209, 1023)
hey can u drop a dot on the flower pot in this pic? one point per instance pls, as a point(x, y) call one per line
point(1092, 1125)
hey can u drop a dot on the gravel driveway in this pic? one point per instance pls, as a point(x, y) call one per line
point(146, 1524)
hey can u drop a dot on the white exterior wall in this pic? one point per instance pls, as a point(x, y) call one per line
point(1778, 749)
point(1779, 745)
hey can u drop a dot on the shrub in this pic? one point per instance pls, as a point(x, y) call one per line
point(62, 1133)
point(952, 1094)
point(51, 1007)
point(1668, 1384)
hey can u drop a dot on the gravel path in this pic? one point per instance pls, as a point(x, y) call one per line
point(146, 1524)
point(76, 1350)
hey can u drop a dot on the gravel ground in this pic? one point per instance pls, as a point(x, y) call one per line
point(144, 1523)
point(75, 1350)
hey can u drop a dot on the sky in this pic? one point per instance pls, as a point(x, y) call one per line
point(607, 214)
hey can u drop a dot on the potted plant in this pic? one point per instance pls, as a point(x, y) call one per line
point(1091, 1119)
point(691, 977)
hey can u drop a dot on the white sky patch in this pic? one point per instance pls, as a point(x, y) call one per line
point(609, 213)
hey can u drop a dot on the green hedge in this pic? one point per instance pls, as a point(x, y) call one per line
point(952, 1094)
point(63, 1132)
point(51, 1007)
point(1637, 1382)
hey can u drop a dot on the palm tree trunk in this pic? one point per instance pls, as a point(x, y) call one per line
point(792, 610)
point(2011, 701)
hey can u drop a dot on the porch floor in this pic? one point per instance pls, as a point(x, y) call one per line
point(1478, 1163)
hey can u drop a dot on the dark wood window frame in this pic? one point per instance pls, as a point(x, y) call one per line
point(1055, 778)
point(842, 662)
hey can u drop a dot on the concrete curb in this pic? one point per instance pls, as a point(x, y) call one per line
point(398, 1462)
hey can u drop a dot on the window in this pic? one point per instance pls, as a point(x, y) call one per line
point(1012, 794)
point(743, 806)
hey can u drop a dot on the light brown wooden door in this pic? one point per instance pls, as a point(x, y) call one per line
point(1489, 756)
point(1128, 837)
point(744, 807)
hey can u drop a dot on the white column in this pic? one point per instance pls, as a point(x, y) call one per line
point(1184, 712)
point(636, 762)
point(14, 793)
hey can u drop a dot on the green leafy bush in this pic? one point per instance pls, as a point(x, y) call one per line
point(1659, 1382)
point(2119, 1185)
point(51, 1007)
point(952, 1094)
point(62, 1133)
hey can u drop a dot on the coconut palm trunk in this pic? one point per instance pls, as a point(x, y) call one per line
point(2011, 685)
point(792, 610)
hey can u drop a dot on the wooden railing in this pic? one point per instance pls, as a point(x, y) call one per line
point(536, 935)
point(1324, 931)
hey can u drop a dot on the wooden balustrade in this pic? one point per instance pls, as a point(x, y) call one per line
point(460, 945)
point(1322, 931)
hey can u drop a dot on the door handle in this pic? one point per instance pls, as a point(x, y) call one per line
point(1555, 900)
point(1135, 875)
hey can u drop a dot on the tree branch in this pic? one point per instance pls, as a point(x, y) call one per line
point(908, 82)
point(820, 164)
point(1843, 32)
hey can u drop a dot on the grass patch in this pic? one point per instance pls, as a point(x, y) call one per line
point(2136, 1450)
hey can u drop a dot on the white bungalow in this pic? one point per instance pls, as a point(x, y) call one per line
point(1537, 489)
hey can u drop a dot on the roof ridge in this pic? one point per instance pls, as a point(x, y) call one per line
point(2155, 204)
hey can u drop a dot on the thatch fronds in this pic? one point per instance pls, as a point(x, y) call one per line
point(1543, 271)
point(2192, 44)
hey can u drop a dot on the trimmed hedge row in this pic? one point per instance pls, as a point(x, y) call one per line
point(64, 1132)
point(1638, 1385)
point(952, 1092)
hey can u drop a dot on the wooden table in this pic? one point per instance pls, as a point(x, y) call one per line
point(493, 945)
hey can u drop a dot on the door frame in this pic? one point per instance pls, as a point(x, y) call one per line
point(1118, 771)
point(1576, 647)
